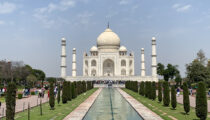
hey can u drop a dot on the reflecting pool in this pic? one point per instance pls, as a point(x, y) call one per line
point(110, 105)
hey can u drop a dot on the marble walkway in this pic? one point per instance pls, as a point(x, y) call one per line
point(82, 109)
point(22, 104)
point(146, 113)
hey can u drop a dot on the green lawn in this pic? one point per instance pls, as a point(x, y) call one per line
point(60, 111)
point(163, 111)
point(2, 99)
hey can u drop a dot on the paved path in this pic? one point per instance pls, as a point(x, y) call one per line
point(22, 104)
point(146, 113)
point(82, 109)
point(192, 101)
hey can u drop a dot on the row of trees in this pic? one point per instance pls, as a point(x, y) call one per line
point(70, 90)
point(19, 73)
point(168, 95)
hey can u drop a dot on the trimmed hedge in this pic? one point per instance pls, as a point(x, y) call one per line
point(65, 92)
point(201, 101)
point(153, 91)
point(52, 96)
point(186, 100)
point(166, 98)
point(10, 101)
point(141, 90)
point(160, 96)
point(173, 97)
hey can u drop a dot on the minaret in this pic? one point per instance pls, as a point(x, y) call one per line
point(154, 58)
point(142, 62)
point(63, 57)
point(74, 69)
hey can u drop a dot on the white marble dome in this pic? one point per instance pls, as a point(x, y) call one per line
point(94, 48)
point(108, 39)
point(123, 48)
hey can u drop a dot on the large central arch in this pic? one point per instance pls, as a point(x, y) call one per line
point(108, 68)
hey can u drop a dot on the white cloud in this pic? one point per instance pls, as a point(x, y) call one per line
point(2, 22)
point(61, 6)
point(84, 18)
point(42, 14)
point(124, 2)
point(181, 8)
point(7, 7)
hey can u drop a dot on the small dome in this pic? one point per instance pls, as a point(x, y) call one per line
point(108, 39)
point(153, 38)
point(123, 48)
point(94, 48)
point(142, 49)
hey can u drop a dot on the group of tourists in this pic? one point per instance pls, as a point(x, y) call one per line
point(26, 92)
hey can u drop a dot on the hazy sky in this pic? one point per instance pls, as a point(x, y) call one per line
point(30, 30)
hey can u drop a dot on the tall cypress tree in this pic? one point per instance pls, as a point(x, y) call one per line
point(173, 97)
point(153, 90)
point(160, 96)
point(186, 99)
point(73, 90)
point(150, 90)
point(65, 92)
point(69, 91)
point(52, 96)
point(59, 93)
point(145, 88)
point(141, 90)
point(201, 101)
point(10, 101)
point(166, 98)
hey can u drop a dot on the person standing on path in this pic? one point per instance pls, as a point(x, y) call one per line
point(177, 92)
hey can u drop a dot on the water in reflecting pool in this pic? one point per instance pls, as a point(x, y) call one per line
point(110, 105)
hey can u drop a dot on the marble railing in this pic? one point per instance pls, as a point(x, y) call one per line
point(113, 78)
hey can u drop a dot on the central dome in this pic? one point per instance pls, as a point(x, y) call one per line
point(108, 40)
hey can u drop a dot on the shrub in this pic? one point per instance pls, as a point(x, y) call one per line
point(141, 90)
point(201, 101)
point(52, 96)
point(166, 98)
point(173, 97)
point(20, 95)
point(65, 92)
point(153, 90)
point(160, 96)
point(186, 100)
point(32, 93)
point(10, 101)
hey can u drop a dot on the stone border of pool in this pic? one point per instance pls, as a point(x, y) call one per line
point(82, 109)
point(143, 111)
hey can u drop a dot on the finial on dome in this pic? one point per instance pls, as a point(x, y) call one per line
point(108, 25)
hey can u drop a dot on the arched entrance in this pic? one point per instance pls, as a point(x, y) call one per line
point(108, 68)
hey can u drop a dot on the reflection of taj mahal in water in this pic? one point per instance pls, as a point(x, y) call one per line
point(109, 61)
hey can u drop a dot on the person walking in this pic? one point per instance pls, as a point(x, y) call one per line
point(177, 92)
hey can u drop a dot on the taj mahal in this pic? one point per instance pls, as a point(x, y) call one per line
point(109, 60)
